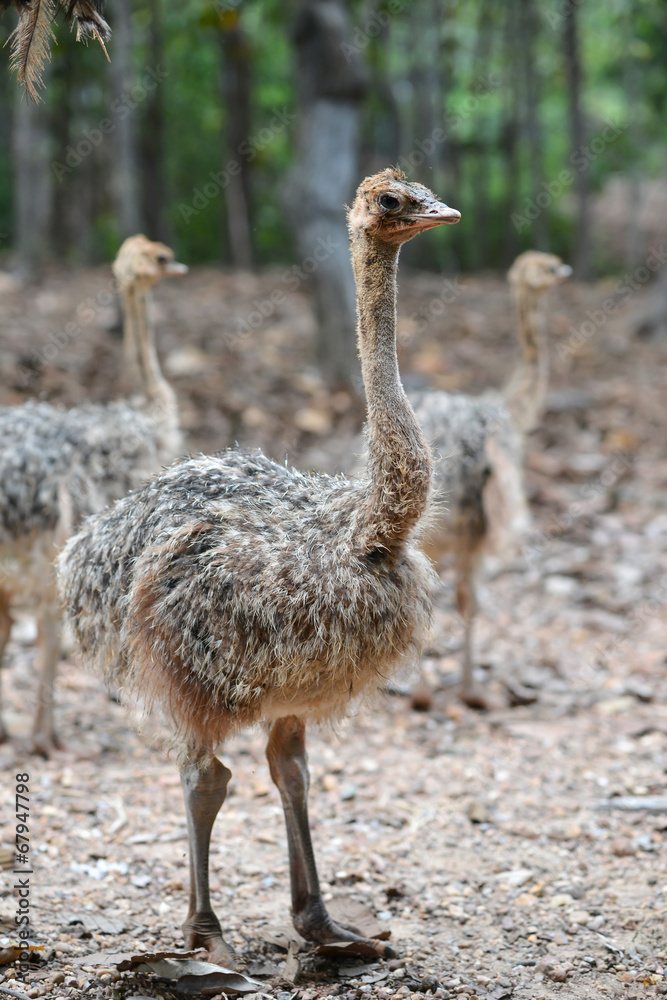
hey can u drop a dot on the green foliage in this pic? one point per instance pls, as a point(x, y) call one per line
point(454, 73)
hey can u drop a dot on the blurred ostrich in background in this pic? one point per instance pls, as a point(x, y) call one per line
point(57, 465)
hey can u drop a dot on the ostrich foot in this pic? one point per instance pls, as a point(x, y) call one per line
point(474, 697)
point(315, 924)
point(203, 931)
point(44, 743)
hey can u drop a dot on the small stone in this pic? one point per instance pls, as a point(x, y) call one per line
point(477, 812)
point(622, 847)
point(312, 420)
point(57, 977)
point(515, 877)
point(561, 899)
point(525, 899)
point(580, 917)
point(348, 792)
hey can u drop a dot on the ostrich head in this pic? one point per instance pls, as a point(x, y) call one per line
point(391, 209)
point(142, 262)
point(537, 271)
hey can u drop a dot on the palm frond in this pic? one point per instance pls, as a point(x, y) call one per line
point(30, 41)
point(90, 22)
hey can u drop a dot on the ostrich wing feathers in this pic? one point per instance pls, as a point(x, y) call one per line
point(30, 40)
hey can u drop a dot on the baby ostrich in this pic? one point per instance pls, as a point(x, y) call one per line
point(57, 465)
point(231, 590)
point(480, 445)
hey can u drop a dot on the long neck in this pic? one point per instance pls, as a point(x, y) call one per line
point(139, 340)
point(527, 386)
point(399, 461)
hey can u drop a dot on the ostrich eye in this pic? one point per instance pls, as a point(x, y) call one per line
point(162, 258)
point(388, 201)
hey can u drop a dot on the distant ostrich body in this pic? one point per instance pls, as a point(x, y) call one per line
point(58, 465)
point(231, 589)
point(479, 443)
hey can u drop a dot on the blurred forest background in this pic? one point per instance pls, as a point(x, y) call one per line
point(235, 130)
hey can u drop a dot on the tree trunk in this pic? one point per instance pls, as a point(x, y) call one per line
point(510, 136)
point(126, 153)
point(581, 251)
point(331, 83)
point(236, 101)
point(528, 41)
point(33, 183)
point(153, 150)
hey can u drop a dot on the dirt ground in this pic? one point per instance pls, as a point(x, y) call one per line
point(518, 853)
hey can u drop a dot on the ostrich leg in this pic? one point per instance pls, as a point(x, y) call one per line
point(44, 739)
point(204, 784)
point(5, 629)
point(286, 753)
point(466, 600)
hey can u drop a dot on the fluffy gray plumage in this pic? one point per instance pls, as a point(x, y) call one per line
point(230, 560)
point(478, 456)
point(90, 455)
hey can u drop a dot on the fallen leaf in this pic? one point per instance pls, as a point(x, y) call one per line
point(97, 923)
point(292, 969)
point(345, 910)
point(124, 960)
point(192, 977)
point(347, 948)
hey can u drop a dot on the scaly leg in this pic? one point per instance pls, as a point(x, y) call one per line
point(5, 629)
point(204, 782)
point(44, 739)
point(466, 600)
point(286, 753)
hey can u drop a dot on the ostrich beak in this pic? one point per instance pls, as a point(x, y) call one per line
point(173, 268)
point(564, 271)
point(438, 214)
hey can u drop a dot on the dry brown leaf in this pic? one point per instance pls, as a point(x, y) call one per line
point(193, 977)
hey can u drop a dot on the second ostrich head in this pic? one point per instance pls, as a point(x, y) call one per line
point(141, 261)
point(390, 209)
point(537, 271)
point(139, 264)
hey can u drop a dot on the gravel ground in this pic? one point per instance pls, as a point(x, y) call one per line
point(519, 853)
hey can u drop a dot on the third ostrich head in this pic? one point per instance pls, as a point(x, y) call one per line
point(537, 271)
point(143, 262)
point(390, 209)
